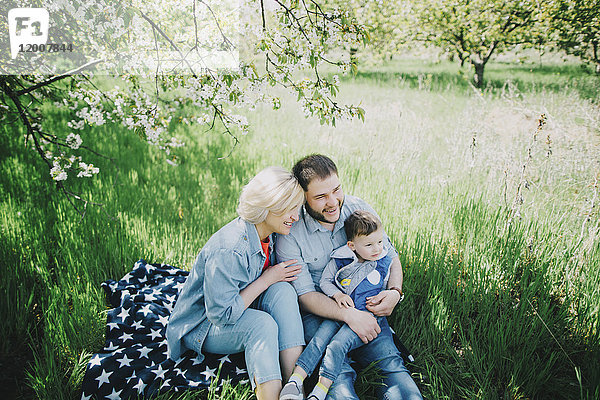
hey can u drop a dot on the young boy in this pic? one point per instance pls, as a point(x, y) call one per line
point(356, 272)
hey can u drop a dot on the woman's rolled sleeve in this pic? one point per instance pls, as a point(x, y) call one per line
point(225, 274)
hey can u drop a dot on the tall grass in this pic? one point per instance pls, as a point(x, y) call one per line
point(500, 261)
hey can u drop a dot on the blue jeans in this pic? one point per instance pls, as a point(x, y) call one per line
point(272, 324)
point(314, 350)
point(397, 382)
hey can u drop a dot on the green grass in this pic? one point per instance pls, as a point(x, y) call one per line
point(494, 309)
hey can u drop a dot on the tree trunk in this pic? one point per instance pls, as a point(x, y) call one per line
point(478, 77)
point(595, 52)
point(353, 51)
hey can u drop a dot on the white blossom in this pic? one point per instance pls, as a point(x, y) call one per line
point(74, 141)
point(87, 170)
point(58, 173)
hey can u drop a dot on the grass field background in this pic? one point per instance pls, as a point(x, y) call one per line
point(496, 222)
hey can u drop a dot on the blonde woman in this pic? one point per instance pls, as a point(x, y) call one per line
point(235, 299)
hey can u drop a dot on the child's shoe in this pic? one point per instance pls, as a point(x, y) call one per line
point(291, 391)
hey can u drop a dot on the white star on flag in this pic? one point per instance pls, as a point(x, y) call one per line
point(132, 377)
point(123, 314)
point(144, 352)
point(224, 359)
point(163, 319)
point(125, 337)
point(155, 333)
point(140, 386)
point(112, 325)
point(84, 397)
point(149, 297)
point(239, 371)
point(103, 378)
point(160, 373)
point(168, 281)
point(165, 383)
point(179, 286)
point(125, 361)
point(112, 347)
point(115, 395)
point(170, 299)
point(95, 361)
point(137, 325)
point(209, 373)
point(145, 309)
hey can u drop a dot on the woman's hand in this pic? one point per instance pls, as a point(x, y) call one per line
point(343, 300)
point(282, 272)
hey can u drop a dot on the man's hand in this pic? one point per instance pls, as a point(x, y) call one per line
point(363, 323)
point(343, 300)
point(383, 303)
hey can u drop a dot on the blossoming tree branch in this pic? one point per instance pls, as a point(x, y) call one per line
point(210, 59)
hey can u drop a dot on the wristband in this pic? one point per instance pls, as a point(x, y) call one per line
point(397, 289)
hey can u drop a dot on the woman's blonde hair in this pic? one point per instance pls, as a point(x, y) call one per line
point(273, 189)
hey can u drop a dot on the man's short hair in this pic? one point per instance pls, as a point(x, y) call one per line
point(273, 189)
point(313, 166)
point(361, 223)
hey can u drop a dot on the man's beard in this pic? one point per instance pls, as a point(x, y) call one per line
point(319, 216)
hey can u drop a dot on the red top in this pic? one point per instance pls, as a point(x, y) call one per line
point(265, 247)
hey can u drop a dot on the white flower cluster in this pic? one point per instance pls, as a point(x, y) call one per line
point(62, 164)
point(74, 141)
point(87, 170)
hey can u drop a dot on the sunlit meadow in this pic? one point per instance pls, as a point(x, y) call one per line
point(491, 198)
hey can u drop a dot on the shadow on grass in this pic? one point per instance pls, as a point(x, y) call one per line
point(54, 261)
point(484, 318)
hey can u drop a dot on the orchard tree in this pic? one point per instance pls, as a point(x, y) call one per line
point(212, 58)
point(384, 21)
point(576, 24)
point(475, 30)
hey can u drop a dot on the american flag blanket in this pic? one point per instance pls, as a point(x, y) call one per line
point(133, 362)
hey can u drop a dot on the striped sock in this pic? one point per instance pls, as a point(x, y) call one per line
point(319, 392)
point(297, 378)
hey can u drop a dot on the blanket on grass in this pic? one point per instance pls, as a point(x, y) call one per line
point(133, 362)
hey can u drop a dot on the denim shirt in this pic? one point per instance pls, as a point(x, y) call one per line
point(229, 261)
point(311, 244)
